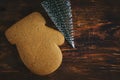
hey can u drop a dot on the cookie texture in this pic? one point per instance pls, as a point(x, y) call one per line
point(37, 44)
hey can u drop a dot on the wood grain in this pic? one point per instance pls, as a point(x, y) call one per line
point(96, 31)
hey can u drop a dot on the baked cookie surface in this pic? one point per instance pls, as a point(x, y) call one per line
point(37, 44)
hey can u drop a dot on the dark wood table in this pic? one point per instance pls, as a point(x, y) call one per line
point(97, 39)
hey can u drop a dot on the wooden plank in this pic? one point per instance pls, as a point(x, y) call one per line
point(97, 31)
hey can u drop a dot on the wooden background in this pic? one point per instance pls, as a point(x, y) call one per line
point(97, 39)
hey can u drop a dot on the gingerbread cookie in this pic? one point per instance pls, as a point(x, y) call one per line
point(37, 44)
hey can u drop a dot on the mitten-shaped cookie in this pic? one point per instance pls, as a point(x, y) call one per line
point(37, 44)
